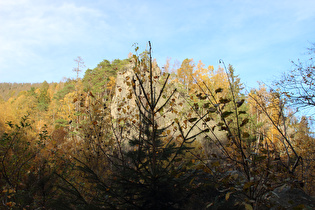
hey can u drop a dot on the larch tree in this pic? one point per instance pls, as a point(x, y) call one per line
point(185, 73)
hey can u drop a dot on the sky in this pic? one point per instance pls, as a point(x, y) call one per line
point(39, 39)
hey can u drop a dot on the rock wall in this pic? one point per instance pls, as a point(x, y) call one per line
point(125, 112)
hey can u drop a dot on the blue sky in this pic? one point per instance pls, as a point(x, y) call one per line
point(40, 39)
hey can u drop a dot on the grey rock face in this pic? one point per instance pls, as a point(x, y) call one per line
point(125, 111)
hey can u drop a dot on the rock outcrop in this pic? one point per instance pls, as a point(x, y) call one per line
point(125, 111)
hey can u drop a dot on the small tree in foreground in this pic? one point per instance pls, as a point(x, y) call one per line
point(152, 172)
point(158, 169)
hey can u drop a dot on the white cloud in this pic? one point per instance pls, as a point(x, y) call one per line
point(29, 29)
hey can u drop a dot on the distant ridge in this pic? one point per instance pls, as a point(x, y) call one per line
point(8, 90)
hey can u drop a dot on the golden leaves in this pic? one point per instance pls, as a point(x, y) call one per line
point(129, 96)
point(240, 103)
point(224, 100)
point(226, 114)
point(227, 195)
point(248, 206)
point(191, 120)
point(244, 122)
point(218, 90)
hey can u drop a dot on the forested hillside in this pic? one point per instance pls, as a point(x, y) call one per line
point(61, 148)
point(8, 90)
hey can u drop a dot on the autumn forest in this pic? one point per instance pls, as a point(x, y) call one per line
point(132, 135)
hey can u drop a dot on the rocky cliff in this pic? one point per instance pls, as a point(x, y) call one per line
point(125, 111)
